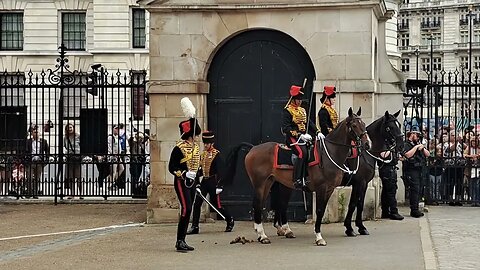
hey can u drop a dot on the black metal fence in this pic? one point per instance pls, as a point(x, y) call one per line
point(447, 109)
point(72, 134)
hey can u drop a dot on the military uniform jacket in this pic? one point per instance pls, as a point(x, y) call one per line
point(294, 122)
point(185, 157)
point(327, 119)
point(211, 164)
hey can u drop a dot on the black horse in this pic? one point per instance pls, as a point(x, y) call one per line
point(385, 134)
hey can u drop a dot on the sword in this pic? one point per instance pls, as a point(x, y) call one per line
point(199, 192)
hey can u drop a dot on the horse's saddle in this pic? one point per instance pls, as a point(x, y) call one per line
point(283, 157)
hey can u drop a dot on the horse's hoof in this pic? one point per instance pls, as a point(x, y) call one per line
point(280, 232)
point(321, 242)
point(265, 241)
point(363, 232)
point(350, 233)
point(290, 235)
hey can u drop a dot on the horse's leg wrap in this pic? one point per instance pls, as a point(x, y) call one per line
point(261, 236)
point(319, 239)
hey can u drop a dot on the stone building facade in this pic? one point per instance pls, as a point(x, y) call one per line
point(345, 41)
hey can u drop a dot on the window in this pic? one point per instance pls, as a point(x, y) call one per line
point(463, 36)
point(73, 31)
point(12, 92)
point(437, 38)
point(11, 37)
point(426, 64)
point(437, 63)
point(464, 62)
point(138, 28)
point(138, 94)
point(405, 64)
point(405, 40)
point(476, 36)
point(425, 39)
point(476, 62)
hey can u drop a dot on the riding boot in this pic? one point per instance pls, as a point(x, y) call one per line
point(181, 246)
point(298, 174)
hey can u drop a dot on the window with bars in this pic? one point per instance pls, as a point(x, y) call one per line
point(426, 64)
point(11, 31)
point(437, 63)
point(12, 91)
point(74, 31)
point(405, 40)
point(138, 94)
point(405, 64)
point(138, 19)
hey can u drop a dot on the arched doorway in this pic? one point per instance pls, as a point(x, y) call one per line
point(250, 77)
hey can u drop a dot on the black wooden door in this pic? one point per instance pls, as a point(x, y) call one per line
point(250, 77)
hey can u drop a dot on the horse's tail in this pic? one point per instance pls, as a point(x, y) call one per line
point(231, 162)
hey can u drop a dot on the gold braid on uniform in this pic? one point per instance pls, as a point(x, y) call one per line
point(206, 161)
point(299, 116)
point(191, 153)
point(333, 115)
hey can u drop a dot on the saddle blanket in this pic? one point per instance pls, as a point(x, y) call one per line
point(283, 157)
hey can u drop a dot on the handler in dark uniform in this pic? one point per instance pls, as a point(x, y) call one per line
point(415, 158)
point(211, 184)
point(294, 126)
point(184, 164)
point(388, 175)
point(327, 115)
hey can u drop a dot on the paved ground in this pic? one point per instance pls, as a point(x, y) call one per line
point(392, 245)
point(112, 236)
point(455, 233)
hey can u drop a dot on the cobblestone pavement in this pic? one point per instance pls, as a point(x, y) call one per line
point(455, 234)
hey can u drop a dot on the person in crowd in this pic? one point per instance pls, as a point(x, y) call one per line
point(211, 184)
point(184, 164)
point(137, 161)
point(114, 157)
point(435, 172)
point(415, 155)
point(38, 154)
point(473, 155)
point(454, 163)
point(388, 176)
point(71, 143)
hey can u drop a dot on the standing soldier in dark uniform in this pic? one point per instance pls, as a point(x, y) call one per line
point(327, 115)
point(294, 126)
point(388, 175)
point(211, 164)
point(184, 164)
point(415, 155)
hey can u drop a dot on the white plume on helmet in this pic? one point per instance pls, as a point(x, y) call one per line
point(187, 107)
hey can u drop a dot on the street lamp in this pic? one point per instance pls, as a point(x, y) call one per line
point(417, 53)
point(470, 8)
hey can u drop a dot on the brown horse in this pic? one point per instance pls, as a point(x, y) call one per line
point(386, 135)
point(333, 152)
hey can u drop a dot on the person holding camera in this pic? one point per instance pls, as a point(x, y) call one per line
point(415, 155)
point(184, 164)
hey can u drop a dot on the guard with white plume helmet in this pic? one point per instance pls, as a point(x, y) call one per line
point(184, 164)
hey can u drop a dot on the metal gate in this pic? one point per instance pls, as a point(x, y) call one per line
point(71, 134)
point(447, 109)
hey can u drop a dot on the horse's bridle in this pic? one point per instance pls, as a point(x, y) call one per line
point(358, 137)
point(391, 140)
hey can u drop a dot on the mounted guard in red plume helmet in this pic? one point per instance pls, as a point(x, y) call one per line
point(328, 92)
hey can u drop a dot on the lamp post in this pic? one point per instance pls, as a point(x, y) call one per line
point(417, 53)
point(470, 23)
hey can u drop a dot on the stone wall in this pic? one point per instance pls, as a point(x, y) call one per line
point(341, 37)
